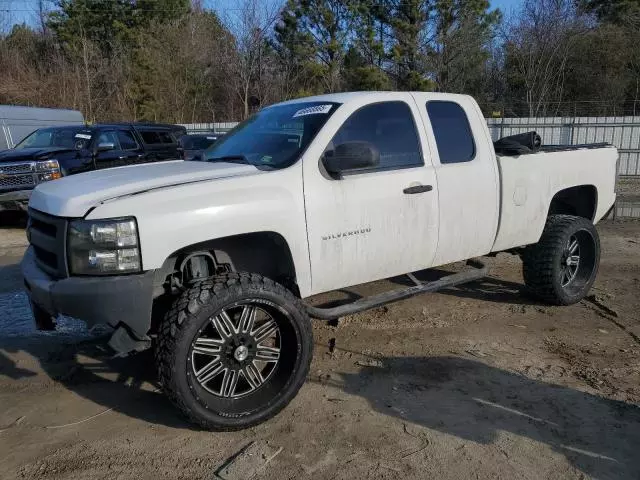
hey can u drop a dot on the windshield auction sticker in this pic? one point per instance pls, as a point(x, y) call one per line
point(312, 110)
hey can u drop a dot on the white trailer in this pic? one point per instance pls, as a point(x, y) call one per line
point(18, 122)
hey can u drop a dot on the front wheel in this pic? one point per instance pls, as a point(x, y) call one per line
point(562, 266)
point(234, 351)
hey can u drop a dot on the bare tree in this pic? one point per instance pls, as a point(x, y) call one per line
point(538, 43)
point(43, 12)
point(251, 23)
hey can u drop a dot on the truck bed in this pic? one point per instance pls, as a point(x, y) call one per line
point(527, 188)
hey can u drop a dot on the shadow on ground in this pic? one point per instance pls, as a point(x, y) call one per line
point(13, 219)
point(79, 359)
point(89, 369)
point(474, 402)
point(488, 289)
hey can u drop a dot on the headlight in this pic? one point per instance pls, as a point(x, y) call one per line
point(47, 165)
point(103, 247)
point(48, 170)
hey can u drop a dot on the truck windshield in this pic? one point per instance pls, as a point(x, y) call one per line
point(64, 137)
point(275, 137)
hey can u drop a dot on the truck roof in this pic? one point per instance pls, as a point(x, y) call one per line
point(137, 125)
point(346, 97)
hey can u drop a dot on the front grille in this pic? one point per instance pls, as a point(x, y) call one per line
point(17, 176)
point(16, 181)
point(14, 168)
point(45, 257)
point(46, 228)
point(48, 236)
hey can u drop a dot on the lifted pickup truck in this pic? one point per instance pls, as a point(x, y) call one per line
point(210, 262)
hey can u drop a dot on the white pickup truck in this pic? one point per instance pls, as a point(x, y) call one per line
point(210, 262)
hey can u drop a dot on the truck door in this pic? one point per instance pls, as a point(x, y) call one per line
point(107, 152)
point(152, 142)
point(169, 150)
point(130, 149)
point(467, 174)
point(376, 222)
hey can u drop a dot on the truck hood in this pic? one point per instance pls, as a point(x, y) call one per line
point(73, 196)
point(22, 154)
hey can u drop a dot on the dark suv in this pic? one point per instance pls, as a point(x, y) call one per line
point(50, 153)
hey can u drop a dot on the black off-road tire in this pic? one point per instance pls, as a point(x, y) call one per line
point(544, 263)
point(191, 312)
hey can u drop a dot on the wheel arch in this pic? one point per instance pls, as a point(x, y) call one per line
point(578, 200)
point(266, 252)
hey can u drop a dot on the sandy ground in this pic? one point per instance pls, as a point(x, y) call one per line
point(628, 190)
point(473, 382)
point(628, 186)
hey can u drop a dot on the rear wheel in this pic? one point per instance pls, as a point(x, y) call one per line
point(234, 351)
point(562, 266)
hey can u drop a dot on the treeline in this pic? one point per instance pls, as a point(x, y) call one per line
point(175, 61)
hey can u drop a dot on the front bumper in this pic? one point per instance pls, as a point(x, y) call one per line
point(16, 200)
point(114, 300)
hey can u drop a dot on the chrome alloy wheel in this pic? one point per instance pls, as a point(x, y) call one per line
point(236, 351)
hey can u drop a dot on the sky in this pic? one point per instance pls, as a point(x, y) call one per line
point(25, 11)
point(505, 5)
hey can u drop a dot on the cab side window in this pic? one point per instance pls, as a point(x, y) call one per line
point(390, 128)
point(165, 137)
point(109, 137)
point(127, 140)
point(452, 132)
point(150, 137)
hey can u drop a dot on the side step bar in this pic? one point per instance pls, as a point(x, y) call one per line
point(479, 271)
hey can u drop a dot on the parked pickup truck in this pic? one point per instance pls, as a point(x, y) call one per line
point(211, 262)
point(50, 153)
point(194, 145)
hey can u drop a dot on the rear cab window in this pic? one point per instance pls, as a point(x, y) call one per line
point(157, 137)
point(166, 137)
point(150, 137)
point(452, 132)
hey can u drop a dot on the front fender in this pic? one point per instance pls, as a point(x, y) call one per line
point(173, 218)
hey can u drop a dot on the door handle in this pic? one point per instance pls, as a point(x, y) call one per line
point(417, 189)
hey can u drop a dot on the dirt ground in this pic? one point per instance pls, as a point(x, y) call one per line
point(473, 382)
point(628, 186)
